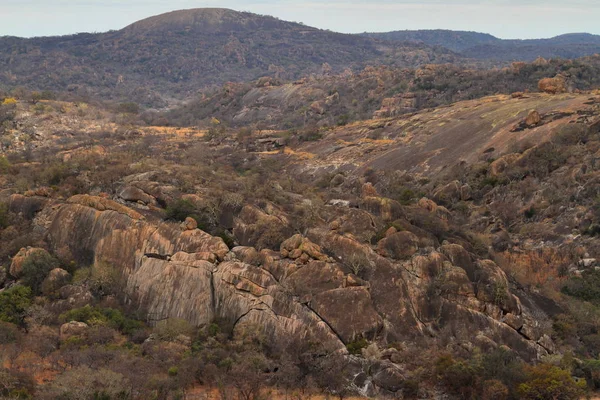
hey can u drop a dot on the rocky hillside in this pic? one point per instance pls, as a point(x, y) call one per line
point(487, 47)
point(175, 54)
point(330, 99)
point(384, 258)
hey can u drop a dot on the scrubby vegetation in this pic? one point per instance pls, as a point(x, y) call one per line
point(475, 279)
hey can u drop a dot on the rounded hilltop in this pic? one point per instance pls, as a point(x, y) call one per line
point(207, 20)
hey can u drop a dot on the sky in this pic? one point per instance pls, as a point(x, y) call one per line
point(507, 19)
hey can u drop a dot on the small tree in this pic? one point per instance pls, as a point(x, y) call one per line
point(547, 382)
point(14, 303)
point(36, 268)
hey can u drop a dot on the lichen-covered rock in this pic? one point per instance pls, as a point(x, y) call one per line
point(102, 204)
point(533, 118)
point(73, 328)
point(189, 224)
point(134, 194)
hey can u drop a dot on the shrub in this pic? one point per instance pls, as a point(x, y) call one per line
point(4, 221)
point(85, 383)
point(494, 390)
point(4, 165)
point(170, 329)
point(571, 134)
point(357, 346)
point(586, 287)
point(96, 316)
point(548, 382)
point(8, 332)
point(105, 279)
point(36, 268)
point(591, 369)
point(14, 303)
point(128, 108)
point(15, 384)
point(180, 210)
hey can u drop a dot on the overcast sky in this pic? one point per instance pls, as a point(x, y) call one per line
point(502, 18)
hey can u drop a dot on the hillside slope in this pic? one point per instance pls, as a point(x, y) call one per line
point(175, 54)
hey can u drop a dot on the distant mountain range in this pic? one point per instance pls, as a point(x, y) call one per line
point(171, 57)
point(483, 46)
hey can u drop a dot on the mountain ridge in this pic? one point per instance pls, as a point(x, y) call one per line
point(484, 46)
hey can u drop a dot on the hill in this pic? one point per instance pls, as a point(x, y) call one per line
point(383, 91)
point(455, 40)
point(175, 54)
point(487, 47)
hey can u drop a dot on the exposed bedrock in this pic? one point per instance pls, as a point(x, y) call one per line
point(326, 287)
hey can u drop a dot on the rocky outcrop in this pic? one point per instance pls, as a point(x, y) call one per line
point(310, 287)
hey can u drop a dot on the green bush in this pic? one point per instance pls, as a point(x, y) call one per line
point(586, 287)
point(4, 165)
point(548, 382)
point(14, 303)
point(36, 268)
point(357, 346)
point(96, 316)
point(180, 210)
point(170, 329)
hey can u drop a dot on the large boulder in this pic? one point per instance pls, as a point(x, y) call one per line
point(136, 195)
point(73, 328)
point(553, 85)
point(533, 119)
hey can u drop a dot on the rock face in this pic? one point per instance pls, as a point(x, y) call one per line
point(307, 288)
